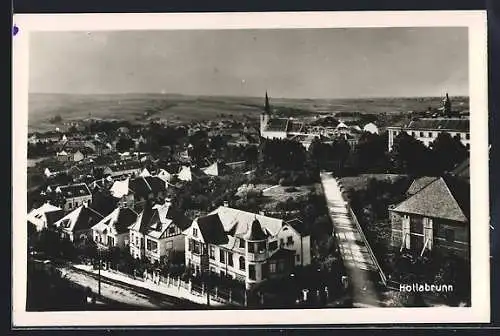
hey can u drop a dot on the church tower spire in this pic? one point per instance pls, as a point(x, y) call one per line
point(447, 106)
point(267, 107)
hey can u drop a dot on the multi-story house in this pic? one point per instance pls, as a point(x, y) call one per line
point(250, 248)
point(74, 195)
point(131, 168)
point(434, 217)
point(135, 192)
point(45, 216)
point(427, 130)
point(112, 230)
point(157, 232)
point(77, 225)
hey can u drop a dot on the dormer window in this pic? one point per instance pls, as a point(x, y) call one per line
point(195, 232)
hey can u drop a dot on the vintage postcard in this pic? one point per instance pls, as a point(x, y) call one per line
point(302, 168)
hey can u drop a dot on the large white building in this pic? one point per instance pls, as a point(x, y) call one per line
point(427, 130)
point(244, 246)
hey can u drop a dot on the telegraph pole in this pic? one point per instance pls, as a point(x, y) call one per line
point(99, 272)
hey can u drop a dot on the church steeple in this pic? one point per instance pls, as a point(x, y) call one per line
point(267, 107)
point(447, 106)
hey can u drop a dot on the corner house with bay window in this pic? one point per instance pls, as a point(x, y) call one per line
point(245, 246)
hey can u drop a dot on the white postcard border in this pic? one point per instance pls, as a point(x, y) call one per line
point(474, 20)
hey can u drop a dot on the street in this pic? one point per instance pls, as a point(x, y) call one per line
point(127, 294)
point(353, 250)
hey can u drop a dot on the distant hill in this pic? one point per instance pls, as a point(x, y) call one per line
point(142, 107)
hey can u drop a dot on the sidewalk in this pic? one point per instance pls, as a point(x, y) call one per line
point(354, 252)
point(162, 288)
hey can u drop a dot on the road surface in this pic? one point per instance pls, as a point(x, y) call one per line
point(358, 261)
point(127, 294)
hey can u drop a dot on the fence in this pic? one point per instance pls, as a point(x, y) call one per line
point(372, 255)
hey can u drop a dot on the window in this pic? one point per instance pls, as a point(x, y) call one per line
point(421, 134)
point(110, 241)
point(251, 272)
point(242, 263)
point(70, 205)
point(450, 235)
point(171, 230)
point(289, 240)
point(151, 246)
point(282, 242)
point(467, 136)
point(170, 245)
point(195, 232)
point(222, 256)
point(413, 134)
point(281, 267)
point(430, 134)
point(136, 241)
point(212, 252)
point(467, 146)
point(242, 243)
point(261, 247)
point(273, 245)
point(230, 258)
point(272, 267)
point(190, 245)
point(251, 247)
point(297, 257)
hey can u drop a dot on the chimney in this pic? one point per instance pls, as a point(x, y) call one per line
point(226, 203)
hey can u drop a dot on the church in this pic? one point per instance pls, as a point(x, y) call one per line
point(275, 127)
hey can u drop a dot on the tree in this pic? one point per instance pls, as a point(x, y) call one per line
point(411, 156)
point(124, 144)
point(447, 152)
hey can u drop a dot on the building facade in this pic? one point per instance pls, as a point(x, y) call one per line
point(427, 130)
point(247, 247)
point(435, 217)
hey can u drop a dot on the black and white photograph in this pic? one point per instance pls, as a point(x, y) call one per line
point(311, 169)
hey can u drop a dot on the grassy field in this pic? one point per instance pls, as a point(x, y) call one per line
point(360, 182)
point(170, 107)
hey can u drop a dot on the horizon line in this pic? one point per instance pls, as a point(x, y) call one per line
point(238, 96)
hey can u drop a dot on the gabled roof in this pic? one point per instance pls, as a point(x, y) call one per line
point(167, 212)
point(119, 219)
point(47, 212)
point(185, 174)
point(146, 185)
point(439, 124)
point(120, 188)
point(420, 183)
point(212, 230)
point(82, 218)
point(445, 198)
point(74, 190)
point(277, 125)
point(298, 226)
point(125, 165)
point(144, 220)
point(215, 169)
point(243, 220)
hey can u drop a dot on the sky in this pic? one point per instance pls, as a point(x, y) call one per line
point(288, 63)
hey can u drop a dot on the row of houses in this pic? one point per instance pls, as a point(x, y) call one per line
point(250, 248)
